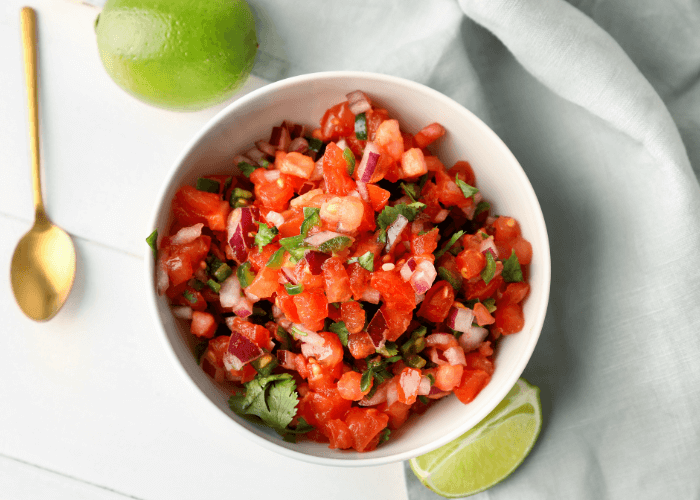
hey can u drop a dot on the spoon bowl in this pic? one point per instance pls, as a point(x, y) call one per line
point(43, 265)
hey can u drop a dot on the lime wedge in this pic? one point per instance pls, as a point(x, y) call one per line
point(487, 453)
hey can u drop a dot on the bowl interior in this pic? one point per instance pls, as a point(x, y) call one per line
point(499, 177)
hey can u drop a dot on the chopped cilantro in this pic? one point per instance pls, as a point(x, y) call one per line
point(295, 246)
point(336, 244)
point(361, 127)
point(197, 285)
point(449, 276)
point(350, 160)
point(315, 145)
point(415, 361)
point(245, 274)
point(265, 235)
point(389, 215)
point(490, 304)
point(411, 190)
point(389, 349)
point(489, 271)
point(467, 190)
point(512, 273)
point(152, 240)
point(341, 331)
point(312, 217)
point(384, 436)
point(265, 364)
point(271, 398)
point(366, 260)
point(449, 244)
point(246, 168)
point(208, 185)
point(423, 400)
point(294, 289)
point(482, 206)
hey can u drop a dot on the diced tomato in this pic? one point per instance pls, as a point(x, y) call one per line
point(476, 360)
point(265, 283)
point(425, 243)
point(338, 121)
point(360, 345)
point(365, 425)
point(470, 263)
point(294, 163)
point(331, 350)
point(337, 280)
point(353, 316)
point(463, 171)
point(343, 213)
point(312, 307)
point(349, 386)
point(389, 139)
point(319, 408)
point(448, 376)
point(471, 384)
point(509, 319)
point(292, 223)
point(506, 228)
point(523, 251)
point(256, 333)
point(428, 135)
point(514, 293)
point(181, 261)
point(339, 434)
point(408, 384)
point(203, 324)
point(396, 293)
point(375, 117)
point(438, 302)
point(413, 163)
point(258, 259)
point(397, 320)
point(359, 280)
point(482, 315)
point(185, 295)
point(286, 302)
point(272, 194)
point(378, 197)
point(448, 193)
point(480, 289)
point(398, 413)
point(335, 172)
point(191, 206)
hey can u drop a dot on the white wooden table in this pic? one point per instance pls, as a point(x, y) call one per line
point(90, 405)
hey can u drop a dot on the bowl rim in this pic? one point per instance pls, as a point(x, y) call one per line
point(515, 369)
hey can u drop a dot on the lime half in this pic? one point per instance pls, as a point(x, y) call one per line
point(487, 453)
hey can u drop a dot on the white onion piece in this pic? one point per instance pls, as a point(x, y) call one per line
point(162, 278)
point(488, 245)
point(441, 215)
point(358, 102)
point(455, 356)
point(272, 175)
point(368, 164)
point(408, 269)
point(342, 144)
point(244, 308)
point(371, 295)
point(299, 145)
point(378, 397)
point(317, 173)
point(257, 156)
point(300, 332)
point(424, 386)
point(460, 319)
point(253, 298)
point(434, 356)
point(472, 338)
point(319, 352)
point(394, 231)
point(277, 313)
point(266, 147)
point(319, 239)
point(362, 189)
point(440, 339)
point(275, 218)
point(187, 235)
point(423, 278)
point(182, 312)
point(230, 292)
point(392, 392)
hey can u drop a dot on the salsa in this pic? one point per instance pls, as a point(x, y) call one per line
point(339, 279)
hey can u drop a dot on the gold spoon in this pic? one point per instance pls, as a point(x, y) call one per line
point(43, 265)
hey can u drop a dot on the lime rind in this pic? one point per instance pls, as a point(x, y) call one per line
point(495, 447)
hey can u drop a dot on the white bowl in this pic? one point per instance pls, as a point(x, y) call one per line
point(500, 178)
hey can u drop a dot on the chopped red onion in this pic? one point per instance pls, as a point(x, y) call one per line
point(257, 156)
point(299, 145)
point(358, 102)
point(371, 295)
point(241, 350)
point(423, 278)
point(408, 268)
point(266, 147)
point(472, 338)
point(238, 246)
point(182, 312)
point(315, 260)
point(306, 187)
point(368, 164)
point(394, 231)
point(424, 386)
point(377, 329)
point(289, 275)
point(460, 319)
point(436, 393)
point(240, 228)
point(187, 234)
point(244, 308)
point(284, 140)
point(488, 245)
point(230, 292)
point(294, 129)
point(455, 356)
point(362, 189)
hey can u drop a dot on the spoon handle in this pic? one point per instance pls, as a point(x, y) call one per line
point(28, 24)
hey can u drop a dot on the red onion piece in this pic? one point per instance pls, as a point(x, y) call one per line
point(307, 187)
point(240, 229)
point(408, 268)
point(371, 295)
point(460, 319)
point(257, 156)
point(455, 356)
point(370, 158)
point(238, 246)
point(187, 235)
point(473, 338)
point(377, 329)
point(230, 292)
point(423, 278)
point(182, 312)
point(358, 102)
point(424, 386)
point(394, 231)
point(299, 145)
point(266, 147)
point(284, 140)
point(362, 189)
point(241, 350)
point(244, 308)
point(216, 372)
point(488, 245)
point(436, 393)
point(289, 274)
point(315, 261)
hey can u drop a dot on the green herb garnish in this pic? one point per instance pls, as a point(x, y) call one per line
point(191, 298)
point(246, 168)
point(312, 217)
point(315, 145)
point(449, 244)
point(366, 260)
point(276, 259)
point(240, 198)
point(467, 190)
point(512, 272)
point(489, 271)
point(341, 331)
point(152, 241)
point(482, 206)
point(335, 244)
point(411, 190)
point(208, 185)
point(449, 276)
point(294, 289)
point(361, 127)
point(222, 272)
point(245, 274)
point(265, 235)
point(215, 287)
point(389, 215)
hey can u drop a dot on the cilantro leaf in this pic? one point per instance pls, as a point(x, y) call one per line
point(152, 242)
point(449, 244)
point(411, 190)
point(366, 260)
point(482, 206)
point(512, 273)
point(467, 190)
point(450, 277)
point(271, 398)
point(265, 235)
point(489, 271)
point(341, 331)
point(389, 215)
point(208, 185)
